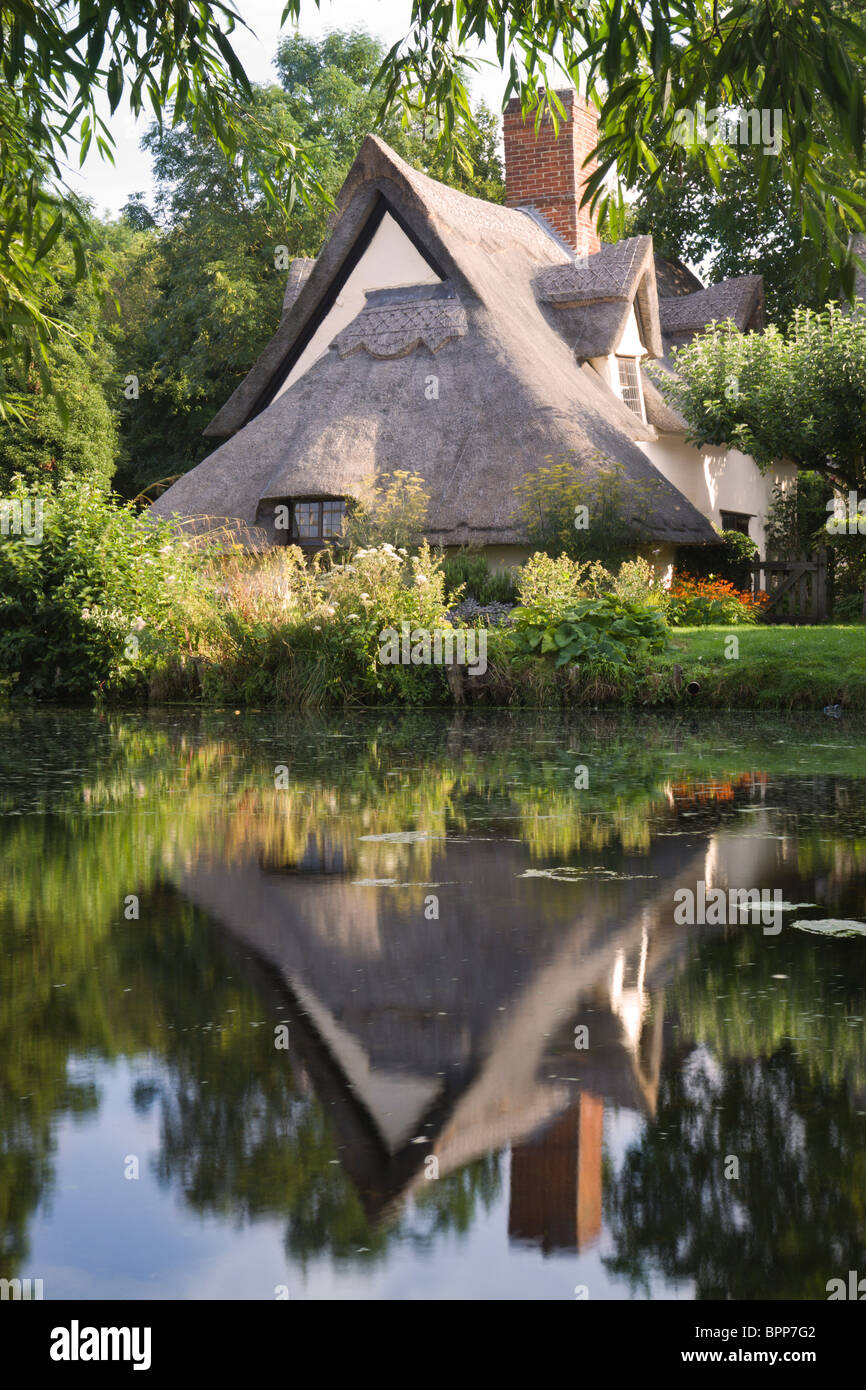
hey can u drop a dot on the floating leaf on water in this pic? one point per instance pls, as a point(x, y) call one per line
point(832, 926)
point(403, 837)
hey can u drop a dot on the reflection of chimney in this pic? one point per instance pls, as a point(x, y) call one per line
point(546, 172)
point(555, 1197)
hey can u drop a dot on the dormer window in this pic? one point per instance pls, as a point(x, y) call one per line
point(629, 384)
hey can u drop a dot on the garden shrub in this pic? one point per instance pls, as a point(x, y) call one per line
point(554, 501)
point(636, 581)
point(554, 583)
point(391, 509)
point(316, 640)
point(698, 602)
point(100, 603)
point(606, 631)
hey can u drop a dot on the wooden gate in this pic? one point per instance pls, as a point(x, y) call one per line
point(797, 588)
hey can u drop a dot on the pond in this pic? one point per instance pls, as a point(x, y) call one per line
point(390, 1005)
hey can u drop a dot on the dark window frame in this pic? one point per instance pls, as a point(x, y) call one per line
point(320, 537)
point(736, 521)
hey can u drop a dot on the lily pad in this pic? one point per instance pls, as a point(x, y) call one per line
point(831, 926)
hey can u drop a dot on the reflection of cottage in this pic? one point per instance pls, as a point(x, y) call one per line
point(460, 1033)
point(470, 343)
point(555, 1198)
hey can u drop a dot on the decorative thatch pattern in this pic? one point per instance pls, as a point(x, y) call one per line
point(740, 300)
point(592, 299)
point(394, 330)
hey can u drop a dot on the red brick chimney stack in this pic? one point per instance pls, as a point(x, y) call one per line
point(548, 173)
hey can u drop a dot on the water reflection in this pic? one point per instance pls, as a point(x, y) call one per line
point(491, 1013)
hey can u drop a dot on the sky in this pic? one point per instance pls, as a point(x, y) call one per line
point(110, 187)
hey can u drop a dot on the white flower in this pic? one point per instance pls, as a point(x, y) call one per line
point(329, 610)
point(420, 579)
point(317, 627)
point(138, 624)
point(354, 618)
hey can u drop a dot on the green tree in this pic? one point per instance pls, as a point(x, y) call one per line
point(727, 231)
point(799, 395)
point(70, 430)
point(61, 63)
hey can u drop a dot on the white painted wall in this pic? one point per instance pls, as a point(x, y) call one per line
point(389, 262)
point(717, 480)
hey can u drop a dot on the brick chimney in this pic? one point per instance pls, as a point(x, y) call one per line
point(547, 172)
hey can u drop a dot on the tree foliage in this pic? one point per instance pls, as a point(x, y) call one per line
point(646, 63)
point(799, 395)
point(61, 62)
point(726, 231)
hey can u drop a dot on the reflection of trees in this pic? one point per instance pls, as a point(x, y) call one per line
point(110, 801)
point(761, 1075)
point(242, 1136)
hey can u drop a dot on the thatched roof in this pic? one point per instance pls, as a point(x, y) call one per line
point(673, 278)
point(741, 300)
point(593, 300)
point(658, 412)
point(496, 333)
point(299, 274)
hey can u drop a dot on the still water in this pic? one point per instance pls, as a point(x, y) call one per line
point(391, 1006)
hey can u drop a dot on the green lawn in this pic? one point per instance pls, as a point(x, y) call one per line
point(776, 667)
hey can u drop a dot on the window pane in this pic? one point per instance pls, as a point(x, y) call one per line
point(307, 519)
point(735, 521)
point(332, 517)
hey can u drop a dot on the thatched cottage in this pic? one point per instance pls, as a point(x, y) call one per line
point(469, 343)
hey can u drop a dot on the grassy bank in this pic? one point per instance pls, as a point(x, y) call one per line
point(776, 668)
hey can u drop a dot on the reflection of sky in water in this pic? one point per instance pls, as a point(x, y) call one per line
point(109, 1237)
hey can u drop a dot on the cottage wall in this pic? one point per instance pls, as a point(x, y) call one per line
point(717, 480)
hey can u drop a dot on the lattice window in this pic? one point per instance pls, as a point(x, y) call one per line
point(317, 519)
point(629, 384)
